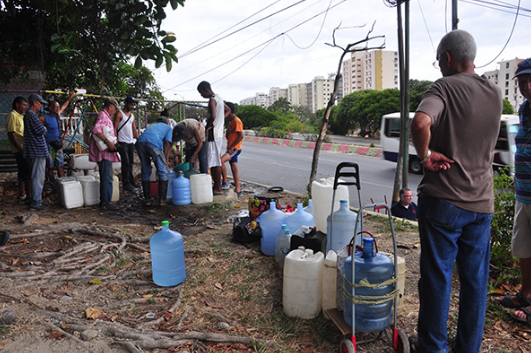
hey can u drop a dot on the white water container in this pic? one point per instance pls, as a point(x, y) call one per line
point(58, 183)
point(81, 162)
point(328, 286)
point(91, 172)
point(116, 165)
point(82, 178)
point(76, 173)
point(303, 274)
point(72, 194)
point(91, 192)
point(115, 189)
point(322, 191)
point(401, 268)
point(201, 188)
point(153, 176)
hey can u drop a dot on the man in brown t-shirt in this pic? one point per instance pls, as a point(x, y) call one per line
point(454, 132)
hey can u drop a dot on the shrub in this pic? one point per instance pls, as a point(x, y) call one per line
point(502, 219)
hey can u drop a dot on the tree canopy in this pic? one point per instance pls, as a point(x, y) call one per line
point(253, 116)
point(83, 43)
point(507, 107)
point(281, 104)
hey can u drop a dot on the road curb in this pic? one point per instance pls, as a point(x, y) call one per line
point(327, 146)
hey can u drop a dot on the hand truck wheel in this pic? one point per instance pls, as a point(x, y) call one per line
point(403, 342)
point(347, 346)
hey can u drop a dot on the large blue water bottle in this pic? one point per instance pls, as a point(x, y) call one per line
point(298, 219)
point(270, 223)
point(167, 257)
point(374, 268)
point(181, 191)
point(342, 230)
point(309, 208)
point(171, 177)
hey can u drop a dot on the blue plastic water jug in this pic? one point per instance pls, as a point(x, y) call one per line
point(171, 177)
point(375, 268)
point(342, 231)
point(283, 245)
point(298, 219)
point(270, 222)
point(167, 257)
point(309, 208)
point(181, 191)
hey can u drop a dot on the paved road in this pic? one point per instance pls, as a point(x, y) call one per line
point(290, 168)
point(348, 140)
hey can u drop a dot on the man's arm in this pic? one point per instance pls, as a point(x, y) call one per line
point(13, 139)
point(65, 104)
point(227, 110)
point(117, 118)
point(421, 135)
point(197, 137)
point(135, 131)
point(167, 152)
point(212, 113)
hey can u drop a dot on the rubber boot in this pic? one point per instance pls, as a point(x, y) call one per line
point(163, 192)
point(146, 186)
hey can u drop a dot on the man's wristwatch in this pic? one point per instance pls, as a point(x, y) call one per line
point(426, 158)
point(106, 140)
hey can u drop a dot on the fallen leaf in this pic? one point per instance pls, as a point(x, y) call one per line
point(29, 294)
point(496, 291)
point(66, 238)
point(167, 315)
point(147, 296)
point(95, 281)
point(93, 313)
point(218, 286)
point(3, 343)
point(56, 335)
point(113, 287)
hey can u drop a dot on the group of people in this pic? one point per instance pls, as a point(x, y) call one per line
point(35, 140)
point(454, 131)
point(203, 146)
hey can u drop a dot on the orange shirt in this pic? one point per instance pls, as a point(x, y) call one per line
point(235, 126)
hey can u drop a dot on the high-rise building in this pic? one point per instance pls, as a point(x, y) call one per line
point(504, 79)
point(376, 69)
point(321, 92)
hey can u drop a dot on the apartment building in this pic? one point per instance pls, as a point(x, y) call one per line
point(503, 77)
point(376, 69)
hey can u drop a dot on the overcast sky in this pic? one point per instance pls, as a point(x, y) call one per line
point(261, 56)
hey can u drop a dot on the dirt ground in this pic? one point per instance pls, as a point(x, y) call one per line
point(79, 280)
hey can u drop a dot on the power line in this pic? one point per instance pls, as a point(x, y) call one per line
point(426, 25)
point(241, 29)
point(496, 7)
point(258, 46)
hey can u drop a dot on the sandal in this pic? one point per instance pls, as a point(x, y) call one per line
point(527, 313)
point(507, 302)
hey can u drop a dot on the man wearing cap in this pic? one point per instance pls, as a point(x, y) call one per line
point(521, 240)
point(155, 145)
point(454, 131)
point(104, 130)
point(125, 130)
point(15, 134)
point(193, 134)
point(52, 121)
point(35, 149)
point(217, 112)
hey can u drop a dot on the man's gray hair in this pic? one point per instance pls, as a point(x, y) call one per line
point(460, 44)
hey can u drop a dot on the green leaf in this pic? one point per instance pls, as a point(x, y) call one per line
point(174, 4)
point(55, 38)
point(56, 47)
point(159, 61)
point(168, 39)
point(168, 65)
point(138, 62)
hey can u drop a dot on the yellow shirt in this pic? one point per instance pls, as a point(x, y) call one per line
point(15, 123)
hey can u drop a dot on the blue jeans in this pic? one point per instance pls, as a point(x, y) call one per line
point(38, 169)
point(447, 234)
point(148, 152)
point(106, 176)
point(126, 157)
point(202, 157)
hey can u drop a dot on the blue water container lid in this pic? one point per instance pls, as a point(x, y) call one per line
point(368, 240)
point(165, 223)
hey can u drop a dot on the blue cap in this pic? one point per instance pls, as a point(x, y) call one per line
point(524, 67)
point(130, 99)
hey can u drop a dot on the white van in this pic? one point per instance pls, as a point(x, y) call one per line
point(390, 141)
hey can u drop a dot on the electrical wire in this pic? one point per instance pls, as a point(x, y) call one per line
point(493, 7)
point(241, 29)
point(508, 39)
point(426, 25)
point(258, 46)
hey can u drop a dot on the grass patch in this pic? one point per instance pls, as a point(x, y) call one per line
point(216, 207)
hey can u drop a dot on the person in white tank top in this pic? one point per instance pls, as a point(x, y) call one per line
point(125, 130)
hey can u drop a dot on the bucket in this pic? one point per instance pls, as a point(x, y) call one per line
point(342, 231)
point(303, 273)
point(167, 257)
point(72, 194)
point(182, 167)
point(201, 188)
point(375, 268)
point(115, 189)
point(181, 191)
point(270, 222)
point(91, 192)
point(328, 286)
point(322, 200)
point(154, 186)
point(298, 219)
